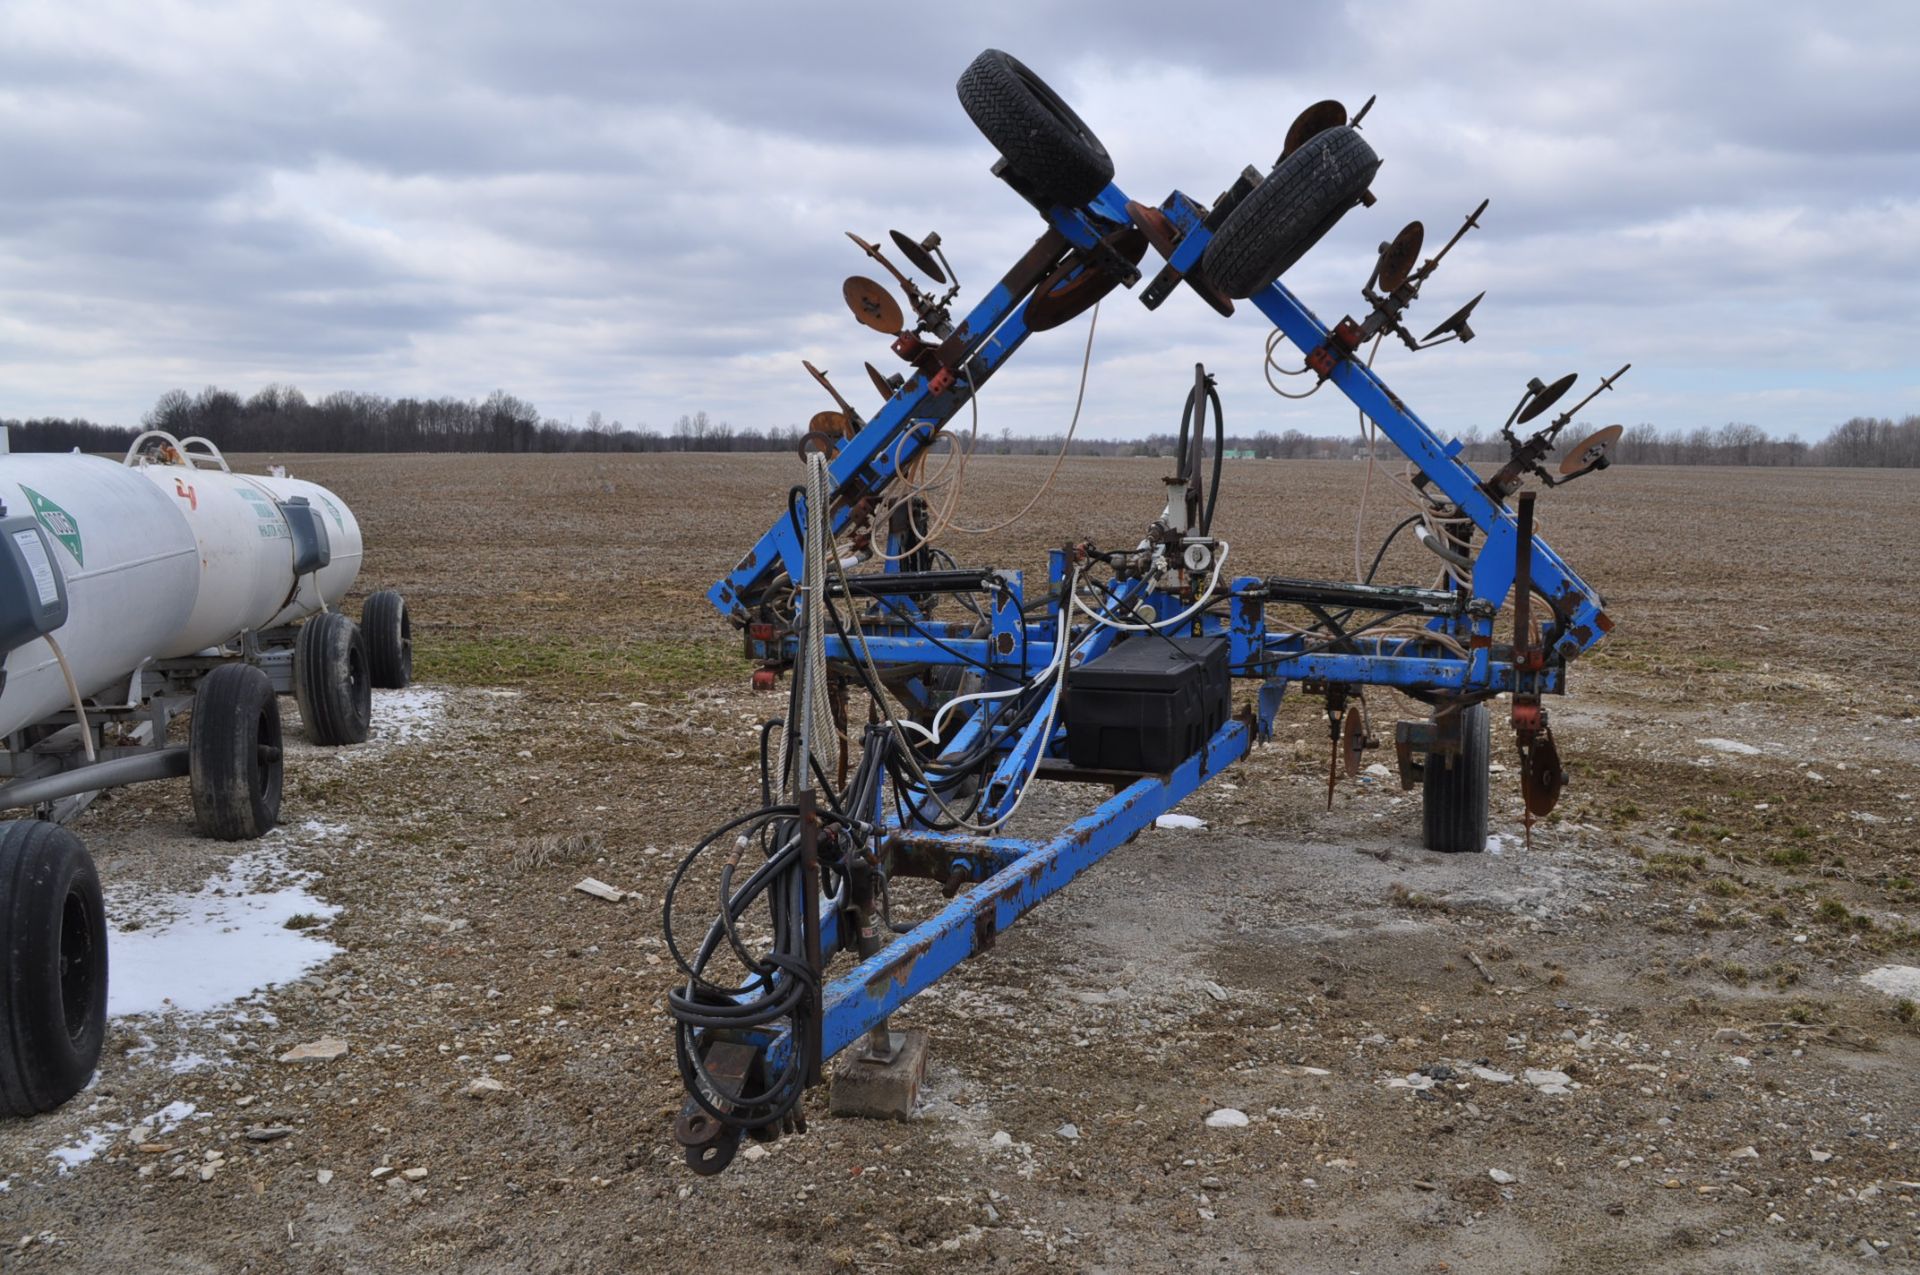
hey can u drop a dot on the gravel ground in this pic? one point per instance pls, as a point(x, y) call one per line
point(1644, 1042)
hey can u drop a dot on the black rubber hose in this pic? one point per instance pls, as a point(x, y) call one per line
point(1219, 455)
point(1184, 470)
point(1406, 522)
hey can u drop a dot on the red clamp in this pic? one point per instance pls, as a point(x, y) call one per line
point(1342, 341)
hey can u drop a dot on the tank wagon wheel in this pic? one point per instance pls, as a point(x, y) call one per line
point(1048, 147)
point(1291, 211)
point(388, 629)
point(234, 754)
point(332, 680)
point(1455, 796)
point(53, 985)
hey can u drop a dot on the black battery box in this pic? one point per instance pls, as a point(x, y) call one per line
point(1148, 704)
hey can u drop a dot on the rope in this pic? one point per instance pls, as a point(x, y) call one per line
point(810, 663)
point(944, 520)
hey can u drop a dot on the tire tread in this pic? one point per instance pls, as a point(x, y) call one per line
point(1454, 797)
point(334, 714)
point(222, 743)
point(386, 627)
point(1061, 163)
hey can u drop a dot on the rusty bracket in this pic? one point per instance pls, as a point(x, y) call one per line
point(1163, 232)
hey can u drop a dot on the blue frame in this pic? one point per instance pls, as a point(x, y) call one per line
point(1011, 875)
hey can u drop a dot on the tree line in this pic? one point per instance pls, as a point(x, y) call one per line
point(282, 419)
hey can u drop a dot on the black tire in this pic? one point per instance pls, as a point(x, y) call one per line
point(53, 989)
point(388, 629)
point(1049, 147)
point(1289, 212)
point(234, 753)
point(332, 680)
point(1455, 797)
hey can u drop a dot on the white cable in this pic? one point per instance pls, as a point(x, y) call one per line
point(1063, 635)
point(1046, 732)
point(1111, 623)
point(1079, 398)
point(944, 520)
point(1059, 653)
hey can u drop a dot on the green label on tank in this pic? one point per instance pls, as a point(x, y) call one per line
point(59, 523)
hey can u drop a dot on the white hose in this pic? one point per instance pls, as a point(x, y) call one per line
point(1111, 623)
point(73, 689)
point(1059, 653)
point(1061, 642)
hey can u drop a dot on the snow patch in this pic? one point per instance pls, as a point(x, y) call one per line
point(168, 1118)
point(1497, 843)
point(403, 716)
point(222, 942)
point(84, 1148)
point(1895, 980)
point(1179, 821)
point(1729, 746)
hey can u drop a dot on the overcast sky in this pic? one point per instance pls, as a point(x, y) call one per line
point(638, 207)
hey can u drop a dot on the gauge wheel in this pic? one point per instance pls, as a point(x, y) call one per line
point(1046, 144)
point(1455, 789)
point(1291, 211)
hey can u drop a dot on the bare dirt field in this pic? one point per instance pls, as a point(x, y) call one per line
point(1685, 941)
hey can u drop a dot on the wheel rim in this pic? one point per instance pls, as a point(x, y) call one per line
point(78, 968)
point(267, 751)
point(357, 683)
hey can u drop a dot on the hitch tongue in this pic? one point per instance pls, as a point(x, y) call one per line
point(710, 1142)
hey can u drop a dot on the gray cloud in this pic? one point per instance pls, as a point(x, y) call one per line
point(638, 208)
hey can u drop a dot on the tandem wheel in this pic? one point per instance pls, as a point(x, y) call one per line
point(53, 983)
point(235, 755)
point(388, 630)
point(333, 680)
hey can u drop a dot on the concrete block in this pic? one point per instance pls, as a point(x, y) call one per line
point(872, 1090)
